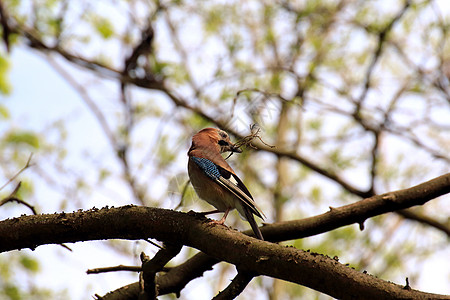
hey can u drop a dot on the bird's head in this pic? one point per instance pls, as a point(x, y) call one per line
point(214, 138)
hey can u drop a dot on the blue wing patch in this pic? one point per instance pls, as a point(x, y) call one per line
point(208, 167)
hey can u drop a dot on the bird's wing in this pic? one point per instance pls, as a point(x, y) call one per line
point(229, 181)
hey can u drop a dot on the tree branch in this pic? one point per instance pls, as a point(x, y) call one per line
point(359, 211)
point(263, 258)
point(236, 286)
point(13, 198)
point(382, 37)
point(114, 269)
point(410, 215)
point(172, 282)
point(152, 266)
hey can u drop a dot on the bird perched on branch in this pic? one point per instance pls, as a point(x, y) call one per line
point(215, 181)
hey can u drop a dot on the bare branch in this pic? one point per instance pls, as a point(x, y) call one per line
point(6, 30)
point(261, 257)
point(12, 198)
point(235, 288)
point(358, 212)
point(155, 265)
point(114, 269)
point(411, 215)
point(382, 37)
point(27, 165)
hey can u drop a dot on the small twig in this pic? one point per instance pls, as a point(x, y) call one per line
point(66, 247)
point(154, 244)
point(425, 220)
point(5, 27)
point(407, 286)
point(27, 165)
point(147, 278)
point(236, 286)
point(183, 193)
point(12, 198)
point(247, 140)
point(114, 269)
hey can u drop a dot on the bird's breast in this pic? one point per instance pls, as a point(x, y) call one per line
point(208, 190)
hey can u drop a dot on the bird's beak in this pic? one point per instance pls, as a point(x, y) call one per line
point(234, 148)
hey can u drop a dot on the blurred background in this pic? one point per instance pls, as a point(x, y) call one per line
point(105, 96)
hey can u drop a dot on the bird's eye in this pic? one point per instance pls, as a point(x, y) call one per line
point(223, 143)
point(223, 134)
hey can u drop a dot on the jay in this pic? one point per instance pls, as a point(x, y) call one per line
point(215, 181)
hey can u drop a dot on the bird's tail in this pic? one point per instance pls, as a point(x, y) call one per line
point(251, 219)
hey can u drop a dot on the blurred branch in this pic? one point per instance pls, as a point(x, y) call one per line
point(390, 127)
point(235, 288)
point(181, 50)
point(374, 160)
point(27, 165)
point(322, 171)
point(6, 30)
point(101, 69)
point(407, 134)
point(444, 89)
point(180, 102)
point(120, 148)
point(410, 215)
point(143, 48)
point(382, 38)
point(84, 95)
point(12, 196)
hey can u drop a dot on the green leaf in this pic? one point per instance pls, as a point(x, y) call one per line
point(4, 112)
point(104, 174)
point(5, 86)
point(214, 19)
point(29, 263)
point(104, 27)
point(316, 193)
point(12, 292)
point(275, 82)
point(315, 124)
point(23, 138)
point(165, 152)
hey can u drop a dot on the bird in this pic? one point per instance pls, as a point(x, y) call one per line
point(215, 181)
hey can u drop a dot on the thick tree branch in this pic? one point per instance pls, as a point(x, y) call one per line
point(173, 281)
point(168, 225)
point(262, 258)
point(306, 227)
point(150, 267)
point(313, 270)
point(359, 211)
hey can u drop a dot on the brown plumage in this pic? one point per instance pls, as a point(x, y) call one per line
point(215, 181)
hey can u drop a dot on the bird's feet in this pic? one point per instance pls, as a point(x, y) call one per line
point(220, 222)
